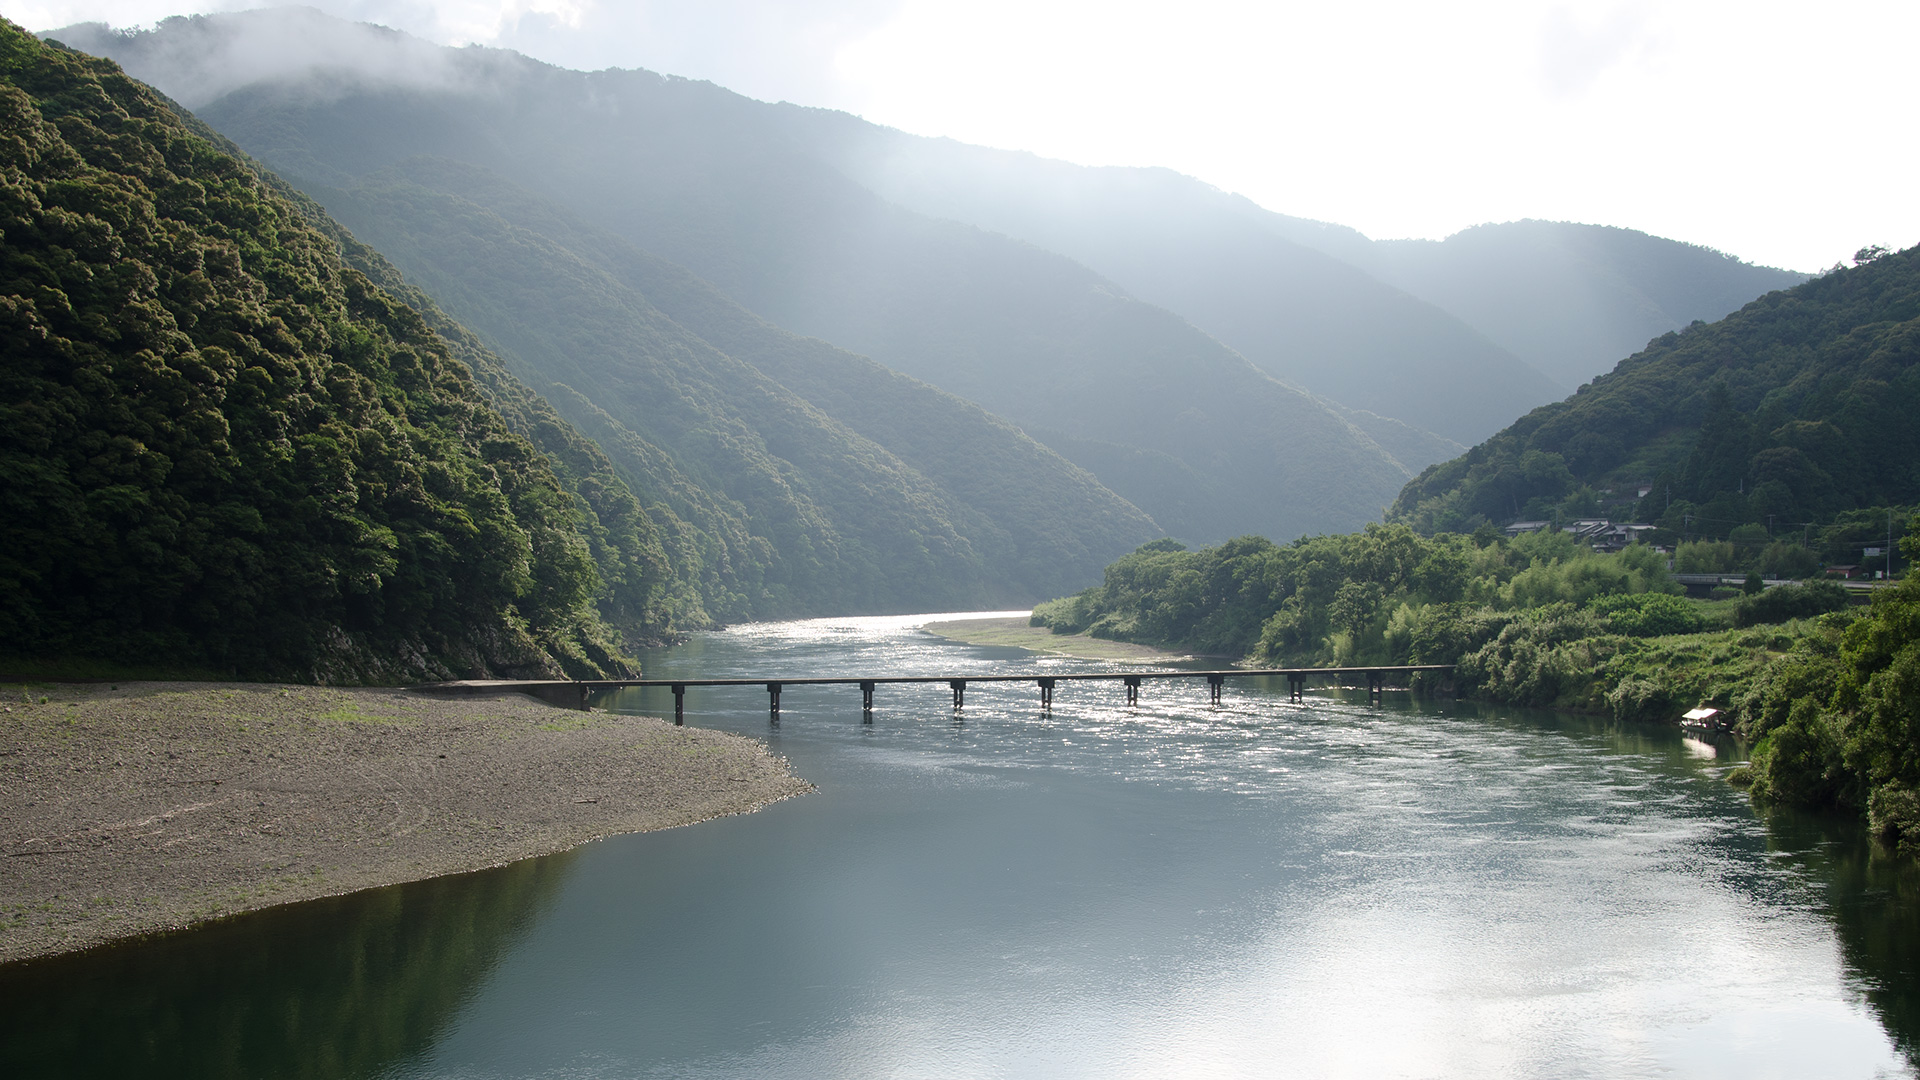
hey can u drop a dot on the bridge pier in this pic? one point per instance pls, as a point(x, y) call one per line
point(1214, 683)
point(866, 702)
point(1296, 687)
point(773, 702)
point(1133, 689)
point(679, 704)
point(1376, 687)
point(959, 693)
point(1046, 694)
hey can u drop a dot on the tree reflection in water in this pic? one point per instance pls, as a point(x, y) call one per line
point(1873, 899)
point(342, 987)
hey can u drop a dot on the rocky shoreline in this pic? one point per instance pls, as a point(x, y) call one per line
point(134, 808)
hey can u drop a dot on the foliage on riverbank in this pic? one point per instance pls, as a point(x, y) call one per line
point(1831, 694)
point(1382, 596)
point(1538, 620)
point(1838, 720)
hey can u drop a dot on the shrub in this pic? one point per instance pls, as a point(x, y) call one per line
point(1639, 697)
point(1649, 614)
point(1893, 812)
point(1785, 602)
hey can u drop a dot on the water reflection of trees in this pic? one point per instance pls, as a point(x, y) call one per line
point(1873, 899)
point(333, 988)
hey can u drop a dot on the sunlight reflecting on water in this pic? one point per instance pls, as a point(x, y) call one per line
point(1260, 888)
point(1174, 889)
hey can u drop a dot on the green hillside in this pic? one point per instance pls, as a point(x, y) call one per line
point(1040, 523)
point(842, 522)
point(1160, 412)
point(1792, 410)
point(225, 449)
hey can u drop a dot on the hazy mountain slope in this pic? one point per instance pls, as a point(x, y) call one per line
point(1795, 407)
point(659, 573)
point(1027, 517)
point(696, 175)
point(1414, 448)
point(849, 525)
point(1571, 299)
point(1298, 313)
point(222, 447)
point(1043, 520)
point(1567, 300)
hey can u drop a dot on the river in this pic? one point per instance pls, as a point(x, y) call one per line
point(1420, 889)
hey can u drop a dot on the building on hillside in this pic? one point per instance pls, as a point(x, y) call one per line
point(1519, 528)
point(1619, 537)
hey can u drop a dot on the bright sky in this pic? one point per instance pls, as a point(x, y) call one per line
point(1779, 132)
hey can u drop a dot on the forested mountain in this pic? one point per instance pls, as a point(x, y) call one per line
point(1161, 413)
point(1036, 520)
point(1455, 337)
point(1572, 299)
point(1797, 407)
point(846, 523)
point(224, 448)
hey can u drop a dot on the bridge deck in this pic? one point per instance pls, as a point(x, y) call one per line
point(575, 692)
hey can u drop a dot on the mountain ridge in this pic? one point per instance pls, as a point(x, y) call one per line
point(805, 248)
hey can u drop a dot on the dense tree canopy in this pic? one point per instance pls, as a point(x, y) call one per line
point(222, 447)
point(1794, 409)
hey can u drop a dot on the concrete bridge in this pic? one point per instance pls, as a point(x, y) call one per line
point(574, 693)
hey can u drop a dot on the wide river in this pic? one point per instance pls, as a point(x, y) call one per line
point(1419, 889)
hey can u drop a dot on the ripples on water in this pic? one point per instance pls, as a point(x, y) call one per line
point(1259, 889)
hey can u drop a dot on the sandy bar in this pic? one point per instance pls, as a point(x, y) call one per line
point(1016, 633)
point(152, 806)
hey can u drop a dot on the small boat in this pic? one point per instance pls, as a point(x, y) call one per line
point(1704, 719)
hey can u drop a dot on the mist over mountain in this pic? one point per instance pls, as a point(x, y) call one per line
point(1300, 314)
point(1441, 334)
point(1572, 299)
point(1161, 413)
point(569, 308)
point(1454, 337)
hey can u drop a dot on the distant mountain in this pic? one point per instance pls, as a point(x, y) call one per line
point(1161, 413)
point(1300, 314)
point(225, 449)
point(1572, 299)
point(1456, 336)
point(1797, 407)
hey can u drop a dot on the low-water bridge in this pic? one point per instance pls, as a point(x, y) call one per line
point(574, 693)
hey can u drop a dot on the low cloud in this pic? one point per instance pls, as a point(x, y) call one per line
point(1575, 54)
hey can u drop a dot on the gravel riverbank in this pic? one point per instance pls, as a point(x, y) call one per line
point(142, 807)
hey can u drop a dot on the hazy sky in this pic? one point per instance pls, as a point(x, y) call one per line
point(1779, 132)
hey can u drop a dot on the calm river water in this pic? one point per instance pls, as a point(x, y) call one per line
point(1173, 890)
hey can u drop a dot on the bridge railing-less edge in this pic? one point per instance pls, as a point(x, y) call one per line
point(574, 694)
